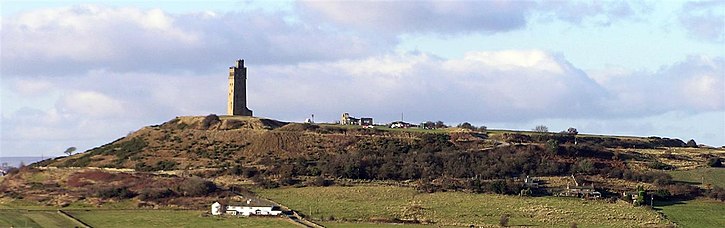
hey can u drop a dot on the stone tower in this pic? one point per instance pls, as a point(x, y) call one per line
point(238, 90)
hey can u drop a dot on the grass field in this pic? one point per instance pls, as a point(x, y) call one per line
point(368, 225)
point(33, 218)
point(366, 203)
point(19, 213)
point(169, 218)
point(713, 176)
point(695, 213)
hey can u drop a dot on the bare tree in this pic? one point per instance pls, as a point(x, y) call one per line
point(70, 150)
point(541, 128)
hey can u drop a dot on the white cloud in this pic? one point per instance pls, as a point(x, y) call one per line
point(91, 104)
point(696, 84)
point(481, 86)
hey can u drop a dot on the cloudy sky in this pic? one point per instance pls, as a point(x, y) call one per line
point(83, 73)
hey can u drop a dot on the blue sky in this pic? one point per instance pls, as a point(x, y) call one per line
point(83, 73)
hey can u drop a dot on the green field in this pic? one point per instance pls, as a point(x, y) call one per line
point(367, 203)
point(129, 218)
point(695, 213)
point(33, 218)
point(170, 218)
point(368, 225)
point(713, 176)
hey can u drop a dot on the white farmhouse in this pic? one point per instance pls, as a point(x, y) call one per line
point(216, 208)
point(246, 209)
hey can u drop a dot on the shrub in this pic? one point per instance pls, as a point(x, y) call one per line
point(264, 182)
point(115, 192)
point(13, 171)
point(683, 191)
point(714, 162)
point(717, 193)
point(155, 193)
point(659, 165)
point(210, 120)
point(691, 143)
point(504, 220)
point(166, 165)
point(321, 181)
point(196, 186)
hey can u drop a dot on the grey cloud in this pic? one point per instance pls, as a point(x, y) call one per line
point(394, 17)
point(594, 12)
point(704, 20)
point(79, 39)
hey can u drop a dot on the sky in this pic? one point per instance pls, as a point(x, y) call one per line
point(84, 73)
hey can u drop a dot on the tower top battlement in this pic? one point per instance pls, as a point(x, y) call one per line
point(238, 64)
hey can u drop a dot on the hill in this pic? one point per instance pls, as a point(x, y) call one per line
point(188, 162)
point(280, 151)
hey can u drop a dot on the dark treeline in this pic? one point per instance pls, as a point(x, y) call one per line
point(434, 157)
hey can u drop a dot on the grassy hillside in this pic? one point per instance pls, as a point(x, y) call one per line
point(375, 203)
point(712, 176)
point(694, 213)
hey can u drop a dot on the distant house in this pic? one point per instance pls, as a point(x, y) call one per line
point(531, 182)
point(349, 120)
point(581, 191)
point(246, 209)
point(401, 124)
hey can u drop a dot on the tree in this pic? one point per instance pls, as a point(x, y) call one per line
point(692, 143)
point(429, 125)
point(70, 151)
point(467, 125)
point(483, 129)
point(714, 162)
point(541, 129)
point(552, 146)
point(639, 198)
point(440, 124)
point(572, 131)
point(585, 166)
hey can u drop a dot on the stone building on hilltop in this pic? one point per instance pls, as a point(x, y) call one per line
point(238, 90)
